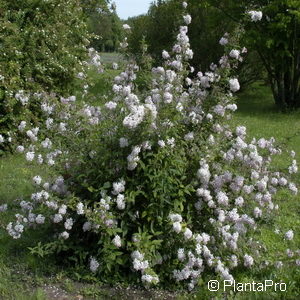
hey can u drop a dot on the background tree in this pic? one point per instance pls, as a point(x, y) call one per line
point(209, 24)
point(275, 40)
point(90, 6)
point(106, 26)
point(139, 33)
point(163, 16)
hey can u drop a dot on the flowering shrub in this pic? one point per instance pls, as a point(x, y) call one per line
point(155, 185)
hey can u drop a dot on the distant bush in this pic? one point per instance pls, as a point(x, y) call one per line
point(106, 27)
point(41, 46)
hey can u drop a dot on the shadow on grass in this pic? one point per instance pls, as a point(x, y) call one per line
point(257, 100)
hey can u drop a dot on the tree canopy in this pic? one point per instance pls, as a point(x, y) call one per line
point(273, 43)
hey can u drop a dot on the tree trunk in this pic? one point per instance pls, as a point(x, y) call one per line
point(286, 92)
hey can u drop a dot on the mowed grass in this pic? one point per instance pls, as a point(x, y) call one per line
point(21, 274)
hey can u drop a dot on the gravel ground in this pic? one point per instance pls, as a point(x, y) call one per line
point(58, 293)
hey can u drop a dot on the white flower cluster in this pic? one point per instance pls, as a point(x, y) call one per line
point(3, 207)
point(255, 15)
point(135, 118)
point(294, 167)
point(95, 59)
point(94, 265)
point(176, 220)
point(289, 235)
point(223, 41)
point(139, 264)
point(187, 19)
point(80, 208)
point(118, 187)
point(234, 84)
point(126, 27)
point(22, 97)
point(22, 125)
point(133, 158)
point(248, 260)
point(149, 279)
point(16, 230)
point(117, 241)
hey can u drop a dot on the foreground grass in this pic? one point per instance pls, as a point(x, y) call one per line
point(23, 276)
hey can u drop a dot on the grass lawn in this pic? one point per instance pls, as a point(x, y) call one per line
point(23, 276)
point(110, 57)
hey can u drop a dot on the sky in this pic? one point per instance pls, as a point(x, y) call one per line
point(131, 8)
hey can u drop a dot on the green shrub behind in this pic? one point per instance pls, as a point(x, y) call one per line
point(41, 46)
